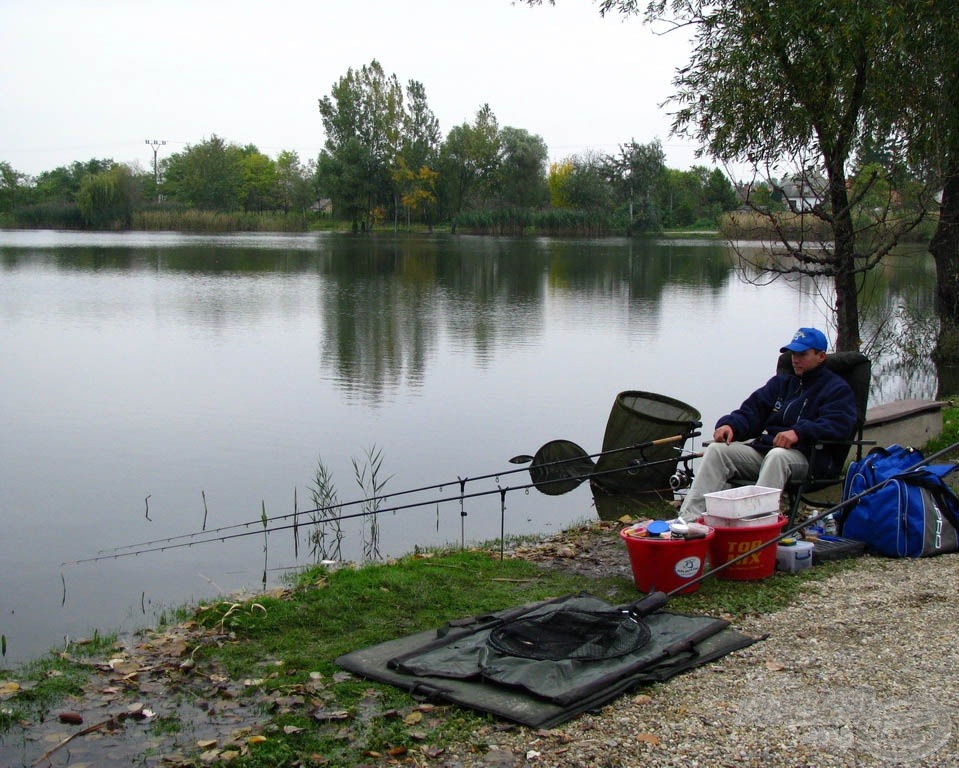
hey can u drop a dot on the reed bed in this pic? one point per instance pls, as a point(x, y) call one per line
point(54, 215)
point(192, 220)
point(750, 225)
point(523, 221)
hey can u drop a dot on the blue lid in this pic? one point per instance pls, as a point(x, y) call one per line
point(657, 527)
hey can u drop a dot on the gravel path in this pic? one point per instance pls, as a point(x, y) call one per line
point(861, 673)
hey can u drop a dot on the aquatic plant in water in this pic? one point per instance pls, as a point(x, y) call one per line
point(367, 476)
point(326, 516)
point(327, 533)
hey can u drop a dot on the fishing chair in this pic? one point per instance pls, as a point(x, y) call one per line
point(856, 369)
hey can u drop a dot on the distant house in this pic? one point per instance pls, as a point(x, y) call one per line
point(803, 193)
point(324, 205)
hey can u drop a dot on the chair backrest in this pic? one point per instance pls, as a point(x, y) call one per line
point(856, 369)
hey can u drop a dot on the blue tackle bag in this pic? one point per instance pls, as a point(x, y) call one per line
point(912, 513)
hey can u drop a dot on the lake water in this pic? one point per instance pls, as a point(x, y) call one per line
point(163, 390)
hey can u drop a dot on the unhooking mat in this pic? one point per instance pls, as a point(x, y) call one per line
point(457, 664)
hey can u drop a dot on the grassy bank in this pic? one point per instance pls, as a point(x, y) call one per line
point(273, 654)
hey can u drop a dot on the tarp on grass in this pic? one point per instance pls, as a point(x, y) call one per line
point(457, 664)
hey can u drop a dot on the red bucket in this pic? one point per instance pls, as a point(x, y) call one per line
point(730, 543)
point(665, 565)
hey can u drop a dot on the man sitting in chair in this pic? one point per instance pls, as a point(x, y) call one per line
point(768, 439)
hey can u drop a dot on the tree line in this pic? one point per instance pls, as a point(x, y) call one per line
point(386, 163)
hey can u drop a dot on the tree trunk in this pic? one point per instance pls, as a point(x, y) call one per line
point(847, 299)
point(944, 248)
point(847, 307)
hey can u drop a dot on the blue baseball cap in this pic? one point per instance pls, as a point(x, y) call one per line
point(807, 338)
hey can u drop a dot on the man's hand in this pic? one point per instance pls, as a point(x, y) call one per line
point(723, 434)
point(786, 439)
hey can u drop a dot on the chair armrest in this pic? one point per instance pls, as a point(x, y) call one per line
point(821, 444)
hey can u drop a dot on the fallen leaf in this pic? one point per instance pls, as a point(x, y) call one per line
point(642, 699)
point(648, 738)
point(775, 666)
point(206, 744)
point(256, 739)
point(291, 729)
point(396, 751)
point(413, 718)
point(9, 688)
point(326, 716)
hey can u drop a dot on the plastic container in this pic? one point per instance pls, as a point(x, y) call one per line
point(665, 564)
point(729, 543)
point(741, 522)
point(794, 558)
point(745, 501)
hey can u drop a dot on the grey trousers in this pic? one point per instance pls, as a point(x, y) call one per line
point(722, 462)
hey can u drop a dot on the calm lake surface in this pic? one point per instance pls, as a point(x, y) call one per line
point(158, 385)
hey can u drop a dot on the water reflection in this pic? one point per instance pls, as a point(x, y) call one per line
point(387, 303)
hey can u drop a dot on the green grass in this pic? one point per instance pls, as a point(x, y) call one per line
point(950, 428)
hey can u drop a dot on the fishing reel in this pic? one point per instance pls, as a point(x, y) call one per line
point(681, 478)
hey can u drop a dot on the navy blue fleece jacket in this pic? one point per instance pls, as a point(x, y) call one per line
point(819, 405)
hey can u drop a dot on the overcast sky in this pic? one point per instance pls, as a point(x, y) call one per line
point(86, 78)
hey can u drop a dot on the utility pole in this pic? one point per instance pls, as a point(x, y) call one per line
point(156, 144)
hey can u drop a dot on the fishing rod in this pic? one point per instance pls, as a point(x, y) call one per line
point(656, 600)
point(461, 481)
point(230, 532)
